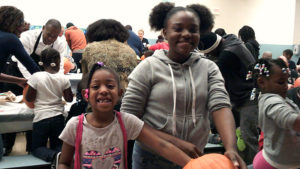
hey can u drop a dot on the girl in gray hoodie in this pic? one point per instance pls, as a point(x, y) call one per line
point(175, 91)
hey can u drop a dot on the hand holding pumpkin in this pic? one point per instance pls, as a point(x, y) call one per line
point(237, 161)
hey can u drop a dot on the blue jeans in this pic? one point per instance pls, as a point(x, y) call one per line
point(44, 129)
point(143, 159)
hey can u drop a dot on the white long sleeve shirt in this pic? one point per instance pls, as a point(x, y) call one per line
point(28, 39)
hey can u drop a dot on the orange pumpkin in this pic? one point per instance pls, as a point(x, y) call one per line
point(68, 65)
point(210, 161)
point(29, 104)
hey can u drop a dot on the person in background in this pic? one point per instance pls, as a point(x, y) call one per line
point(279, 117)
point(220, 31)
point(160, 44)
point(76, 41)
point(46, 90)
point(233, 60)
point(106, 43)
point(267, 55)
point(288, 53)
point(11, 27)
point(293, 75)
point(35, 41)
point(145, 41)
point(166, 96)
point(247, 35)
point(134, 42)
point(294, 93)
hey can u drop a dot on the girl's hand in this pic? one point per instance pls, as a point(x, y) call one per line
point(237, 161)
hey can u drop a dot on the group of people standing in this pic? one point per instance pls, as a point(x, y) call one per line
point(175, 92)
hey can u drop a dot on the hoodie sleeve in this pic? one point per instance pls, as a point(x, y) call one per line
point(217, 95)
point(138, 89)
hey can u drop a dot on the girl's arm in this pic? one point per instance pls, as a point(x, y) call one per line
point(162, 147)
point(31, 94)
point(296, 125)
point(187, 147)
point(13, 79)
point(225, 124)
point(66, 156)
point(68, 95)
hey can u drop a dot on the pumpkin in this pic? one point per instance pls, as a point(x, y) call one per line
point(297, 82)
point(210, 161)
point(68, 65)
point(29, 104)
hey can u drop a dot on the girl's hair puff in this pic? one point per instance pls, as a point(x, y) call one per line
point(206, 17)
point(158, 16)
point(49, 56)
point(100, 66)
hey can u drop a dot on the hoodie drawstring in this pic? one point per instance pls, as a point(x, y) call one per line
point(174, 100)
point(194, 97)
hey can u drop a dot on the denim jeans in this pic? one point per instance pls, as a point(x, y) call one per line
point(44, 129)
point(143, 159)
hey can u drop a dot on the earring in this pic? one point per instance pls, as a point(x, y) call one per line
point(86, 94)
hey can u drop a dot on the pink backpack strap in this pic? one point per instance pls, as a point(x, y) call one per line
point(78, 141)
point(124, 137)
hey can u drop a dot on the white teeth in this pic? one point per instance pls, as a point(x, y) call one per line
point(103, 101)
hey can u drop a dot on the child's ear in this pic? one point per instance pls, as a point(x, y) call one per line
point(261, 82)
point(120, 93)
point(164, 32)
point(83, 94)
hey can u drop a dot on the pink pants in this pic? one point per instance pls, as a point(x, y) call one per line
point(259, 162)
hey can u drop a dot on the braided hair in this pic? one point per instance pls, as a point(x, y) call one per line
point(263, 68)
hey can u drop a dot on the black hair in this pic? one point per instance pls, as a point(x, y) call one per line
point(105, 29)
point(267, 68)
point(160, 38)
point(128, 27)
point(288, 52)
point(69, 24)
point(148, 53)
point(49, 56)
point(206, 17)
point(220, 31)
point(246, 33)
point(53, 22)
point(162, 12)
point(10, 19)
point(96, 67)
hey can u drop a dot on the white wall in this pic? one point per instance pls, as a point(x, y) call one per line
point(272, 20)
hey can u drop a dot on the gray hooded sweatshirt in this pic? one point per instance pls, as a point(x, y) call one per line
point(176, 98)
point(281, 143)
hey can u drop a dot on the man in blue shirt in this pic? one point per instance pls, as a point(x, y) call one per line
point(134, 41)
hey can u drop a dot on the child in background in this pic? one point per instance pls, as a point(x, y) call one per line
point(46, 88)
point(279, 117)
point(102, 141)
